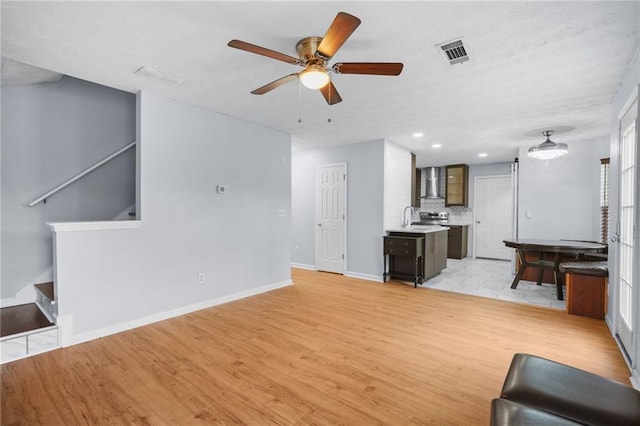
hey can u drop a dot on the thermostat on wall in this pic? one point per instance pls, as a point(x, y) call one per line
point(221, 189)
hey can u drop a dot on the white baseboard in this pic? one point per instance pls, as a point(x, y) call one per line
point(607, 320)
point(635, 379)
point(25, 295)
point(368, 277)
point(124, 215)
point(303, 266)
point(68, 339)
point(47, 311)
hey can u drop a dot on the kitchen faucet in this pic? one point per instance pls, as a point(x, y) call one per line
point(406, 223)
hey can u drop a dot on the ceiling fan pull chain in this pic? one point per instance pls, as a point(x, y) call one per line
point(299, 102)
point(329, 106)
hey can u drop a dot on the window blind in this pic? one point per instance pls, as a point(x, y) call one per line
point(604, 200)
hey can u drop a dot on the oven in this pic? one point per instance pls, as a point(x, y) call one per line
point(433, 218)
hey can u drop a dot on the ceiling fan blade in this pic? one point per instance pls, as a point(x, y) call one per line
point(243, 45)
point(275, 84)
point(330, 93)
point(375, 68)
point(339, 31)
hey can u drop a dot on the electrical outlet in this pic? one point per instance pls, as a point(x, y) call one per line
point(201, 278)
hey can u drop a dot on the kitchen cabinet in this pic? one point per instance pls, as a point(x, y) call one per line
point(405, 256)
point(439, 242)
point(458, 239)
point(457, 185)
point(434, 251)
point(415, 182)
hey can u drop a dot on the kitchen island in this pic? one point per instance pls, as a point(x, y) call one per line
point(418, 261)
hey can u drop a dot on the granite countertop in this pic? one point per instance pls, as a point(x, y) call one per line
point(420, 229)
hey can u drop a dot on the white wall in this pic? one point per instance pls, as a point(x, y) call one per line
point(365, 203)
point(562, 195)
point(629, 85)
point(397, 184)
point(51, 132)
point(109, 280)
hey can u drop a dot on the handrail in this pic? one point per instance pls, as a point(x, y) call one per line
point(60, 187)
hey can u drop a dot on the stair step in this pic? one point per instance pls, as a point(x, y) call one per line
point(22, 318)
point(47, 290)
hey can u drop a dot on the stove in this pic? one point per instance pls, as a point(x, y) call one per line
point(433, 218)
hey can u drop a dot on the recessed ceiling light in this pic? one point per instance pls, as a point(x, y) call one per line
point(418, 135)
point(482, 154)
point(436, 145)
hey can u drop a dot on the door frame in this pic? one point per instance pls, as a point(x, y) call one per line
point(346, 214)
point(612, 320)
point(475, 206)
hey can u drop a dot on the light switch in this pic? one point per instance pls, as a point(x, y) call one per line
point(527, 214)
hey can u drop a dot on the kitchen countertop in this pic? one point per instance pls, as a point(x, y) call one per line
point(459, 223)
point(420, 229)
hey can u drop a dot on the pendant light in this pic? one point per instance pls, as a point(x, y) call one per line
point(548, 150)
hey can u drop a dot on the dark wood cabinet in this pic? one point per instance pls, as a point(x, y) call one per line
point(433, 254)
point(406, 258)
point(416, 175)
point(442, 243)
point(458, 240)
point(586, 295)
point(457, 185)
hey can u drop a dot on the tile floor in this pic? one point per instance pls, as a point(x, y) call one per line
point(492, 278)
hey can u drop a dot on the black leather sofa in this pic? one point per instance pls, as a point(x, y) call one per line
point(538, 391)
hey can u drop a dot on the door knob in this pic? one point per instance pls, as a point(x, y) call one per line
point(477, 221)
point(319, 224)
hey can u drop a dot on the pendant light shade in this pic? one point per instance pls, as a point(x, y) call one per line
point(548, 150)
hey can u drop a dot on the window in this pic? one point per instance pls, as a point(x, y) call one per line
point(604, 200)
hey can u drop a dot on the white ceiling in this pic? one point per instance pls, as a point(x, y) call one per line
point(534, 66)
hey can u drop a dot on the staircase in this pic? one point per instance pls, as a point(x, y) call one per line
point(46, 301)
point(29, 329)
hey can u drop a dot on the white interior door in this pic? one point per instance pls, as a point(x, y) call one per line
point(626, 226)
point(331, 181)
point(493, 211)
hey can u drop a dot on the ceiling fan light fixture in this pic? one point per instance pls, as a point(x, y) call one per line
point(548, 150)
point(314, 77)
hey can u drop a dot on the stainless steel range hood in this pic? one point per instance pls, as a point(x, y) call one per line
point(430, 183)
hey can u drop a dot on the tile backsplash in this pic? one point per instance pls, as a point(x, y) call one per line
point(458, 212)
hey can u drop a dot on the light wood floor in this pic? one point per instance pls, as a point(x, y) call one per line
point(328, 350)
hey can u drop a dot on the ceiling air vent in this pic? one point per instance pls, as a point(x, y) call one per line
point(454, 52)
point(160, 76)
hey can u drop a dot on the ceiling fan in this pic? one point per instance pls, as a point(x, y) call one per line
point(313, 55)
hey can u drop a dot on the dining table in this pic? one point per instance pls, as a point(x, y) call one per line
point(559, 248)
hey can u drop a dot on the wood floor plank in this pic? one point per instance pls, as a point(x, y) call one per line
point(328, 350)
